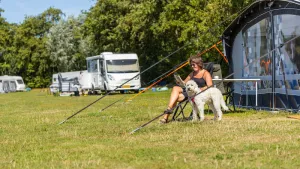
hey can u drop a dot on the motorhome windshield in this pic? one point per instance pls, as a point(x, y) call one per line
point(122, 66)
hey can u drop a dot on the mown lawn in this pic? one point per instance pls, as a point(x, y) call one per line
point(30, 136)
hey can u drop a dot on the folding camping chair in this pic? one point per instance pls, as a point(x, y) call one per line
point(180, 111)
point(227, 90)
point(214, 70)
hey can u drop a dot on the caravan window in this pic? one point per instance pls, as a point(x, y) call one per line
point(122, 66)
point(20, 81)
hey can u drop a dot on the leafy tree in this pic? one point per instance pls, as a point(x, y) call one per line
point(45, 44)
point(66, 46)
point(6, 37)
point(154, 29)
point(32, 59)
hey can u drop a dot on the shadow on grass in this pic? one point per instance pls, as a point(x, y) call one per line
point(190, 119)
point(232, 111)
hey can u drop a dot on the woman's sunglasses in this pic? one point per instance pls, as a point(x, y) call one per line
point(193, 65)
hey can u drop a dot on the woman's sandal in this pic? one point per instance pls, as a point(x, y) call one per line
point(163, 121)
point(168, 111)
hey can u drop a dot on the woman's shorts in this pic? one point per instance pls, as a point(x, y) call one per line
point(184, 94)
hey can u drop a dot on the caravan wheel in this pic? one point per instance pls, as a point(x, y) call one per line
point(93, 89)
point(105, 89)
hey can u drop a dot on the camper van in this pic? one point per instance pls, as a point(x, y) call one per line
point(11, 84)
point(109, 71)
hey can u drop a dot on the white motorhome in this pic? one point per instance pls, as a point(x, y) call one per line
point(11, 84)
point(111, 70)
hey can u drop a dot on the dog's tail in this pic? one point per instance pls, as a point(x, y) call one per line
point(223, 104)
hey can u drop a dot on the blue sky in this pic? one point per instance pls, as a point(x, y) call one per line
point(16, 10)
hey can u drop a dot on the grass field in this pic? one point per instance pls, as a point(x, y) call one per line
point(30, 136)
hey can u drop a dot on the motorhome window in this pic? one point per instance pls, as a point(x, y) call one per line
point(89, 66)
point(92, 66)
point(0, 81)
point(95, 68)
point(20, 81)
point(101, 66)
point(54, 79)
point(122, 66)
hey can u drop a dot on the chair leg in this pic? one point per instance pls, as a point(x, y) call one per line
point(175, 112)
point(230, 98)
point(180, 110)
point(233, 104)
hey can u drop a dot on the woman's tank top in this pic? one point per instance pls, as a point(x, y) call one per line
point(200, 81)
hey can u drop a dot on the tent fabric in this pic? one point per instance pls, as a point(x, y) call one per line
point(259, 29)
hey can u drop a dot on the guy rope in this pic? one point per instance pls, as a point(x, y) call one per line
point(170, 72)
point(179, 67)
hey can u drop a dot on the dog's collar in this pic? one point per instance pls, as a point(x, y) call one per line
point(193, 99)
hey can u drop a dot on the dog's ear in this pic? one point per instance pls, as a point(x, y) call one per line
point(195, 86)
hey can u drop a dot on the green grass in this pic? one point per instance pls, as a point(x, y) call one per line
point(30, 136)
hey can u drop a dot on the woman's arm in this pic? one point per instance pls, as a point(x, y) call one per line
point(208, 81)
point(188, 78)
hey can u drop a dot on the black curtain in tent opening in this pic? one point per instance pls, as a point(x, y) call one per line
point(252, 37)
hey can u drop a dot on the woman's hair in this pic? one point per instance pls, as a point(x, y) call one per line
point(197, 60)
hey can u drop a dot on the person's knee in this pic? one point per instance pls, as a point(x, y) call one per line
point(176, 89)
point(181, 97)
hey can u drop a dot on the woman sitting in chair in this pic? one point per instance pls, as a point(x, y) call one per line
point(201, 76)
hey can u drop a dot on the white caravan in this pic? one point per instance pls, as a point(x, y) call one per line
point(20, 83)
point(11, 84)
point(66, 81)
point(111, 70)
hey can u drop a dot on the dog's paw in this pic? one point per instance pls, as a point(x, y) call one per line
point(195, 119)
point(201, 119)
point(218, 118)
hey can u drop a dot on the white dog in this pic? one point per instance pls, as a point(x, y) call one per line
point(212, 96)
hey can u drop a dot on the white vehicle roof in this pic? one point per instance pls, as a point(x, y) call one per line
point(6, 77)
point(114, 56)
point(17, 77)
point(75, 73)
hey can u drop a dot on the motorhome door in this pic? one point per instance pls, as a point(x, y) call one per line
point(101, 74)
point(93, 68)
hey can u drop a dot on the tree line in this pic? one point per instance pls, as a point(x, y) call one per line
point(51, 42)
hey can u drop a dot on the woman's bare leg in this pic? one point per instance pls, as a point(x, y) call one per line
point(176, 95)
